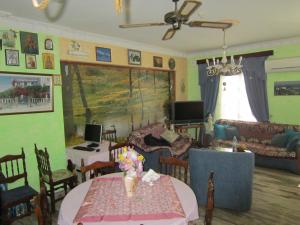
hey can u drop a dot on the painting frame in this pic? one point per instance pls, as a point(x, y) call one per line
point(103, 54)
point(287, 88)
point(48, 61)
point(134, 57)
point(29, 43)
point(157, 61)
point(30, 61)
point(48, 44)
point(30, 99)
point(12, 57)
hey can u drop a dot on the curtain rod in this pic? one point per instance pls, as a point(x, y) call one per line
point(254, 54)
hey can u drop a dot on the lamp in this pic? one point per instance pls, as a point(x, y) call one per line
point(118, 6)
point(223, 67)
point(42, 5)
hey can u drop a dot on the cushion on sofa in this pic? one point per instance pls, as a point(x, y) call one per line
point(292, 144)
point(279, 140)
point(230, 132)
point(219, 131)
point(169, 136)
point(291, 133)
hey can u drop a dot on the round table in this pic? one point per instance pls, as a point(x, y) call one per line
point(72, 202)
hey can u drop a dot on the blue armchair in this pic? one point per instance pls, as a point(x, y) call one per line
point(233, 174)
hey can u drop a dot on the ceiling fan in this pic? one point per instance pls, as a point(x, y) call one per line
point(181, 16)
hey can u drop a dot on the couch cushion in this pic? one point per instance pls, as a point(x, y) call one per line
point(279, 140)
point(231, 131)
point(219, 130)
point(292, 144)
point(291, 133)
point(169, 136)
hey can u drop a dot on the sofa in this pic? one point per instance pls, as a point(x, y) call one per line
point(233, 177)
point(151, 154)
point(262, 139)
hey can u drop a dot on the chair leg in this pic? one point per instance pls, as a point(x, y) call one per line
point(52, 199)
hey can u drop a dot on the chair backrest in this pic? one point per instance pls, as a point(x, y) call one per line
point(110, 135)
point(94, 168)
point(174, 167)
point(42, 207)
point(13, 167)
point(43, 162)
point(210, 199)
point(115, 150)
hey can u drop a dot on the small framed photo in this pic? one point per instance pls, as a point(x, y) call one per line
point(12, 57)
point(30, 61)
point(157, 61)
point(103, 54)
point(48, 44)
point(48, 61)
point(0, 44)
point(134, 57)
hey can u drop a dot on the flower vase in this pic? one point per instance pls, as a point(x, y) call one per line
point(130, 184)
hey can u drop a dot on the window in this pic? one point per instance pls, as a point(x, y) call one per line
point(233, 100)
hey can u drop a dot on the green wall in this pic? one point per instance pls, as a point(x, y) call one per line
point(282, 109)
point(44, 129)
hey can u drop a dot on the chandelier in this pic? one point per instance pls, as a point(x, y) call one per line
point(223, 67)
point(40, 5)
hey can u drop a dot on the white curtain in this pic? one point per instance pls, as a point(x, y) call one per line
point(233, 100)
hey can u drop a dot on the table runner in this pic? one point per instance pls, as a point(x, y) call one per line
point(106, 200)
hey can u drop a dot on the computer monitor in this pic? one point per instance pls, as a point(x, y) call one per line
point(93, 132)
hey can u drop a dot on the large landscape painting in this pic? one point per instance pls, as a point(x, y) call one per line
point(120, 97)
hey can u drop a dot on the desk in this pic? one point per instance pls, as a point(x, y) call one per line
point(72, 202)
point(88, 157)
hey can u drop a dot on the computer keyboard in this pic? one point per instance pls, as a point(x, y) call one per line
point(83, 148)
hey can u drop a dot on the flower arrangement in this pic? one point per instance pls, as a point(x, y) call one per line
point(130, 161)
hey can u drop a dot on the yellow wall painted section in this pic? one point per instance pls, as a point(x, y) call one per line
point(119, 57)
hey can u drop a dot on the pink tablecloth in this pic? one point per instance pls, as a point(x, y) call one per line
point(106, 200)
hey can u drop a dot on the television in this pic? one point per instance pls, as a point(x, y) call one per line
point(186, 112)
point(93, 133)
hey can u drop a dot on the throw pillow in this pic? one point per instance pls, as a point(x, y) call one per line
point(279, 140)
point(169, 136)
point(292, 144)
point(219, 131)
point(230, 132)
point(291, 134)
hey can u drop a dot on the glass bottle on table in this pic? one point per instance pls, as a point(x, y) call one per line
point(234, 144)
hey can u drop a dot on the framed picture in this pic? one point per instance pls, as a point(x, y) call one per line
point(25, 93)
point(287, 88)
point(157, 61)
point(9, 38)
point(48, 61)
point(0, 44)
point(48, 44)
point(29, 43)
point(134, 57)
point(30, 61)
point(12, 57)
point(103, 54)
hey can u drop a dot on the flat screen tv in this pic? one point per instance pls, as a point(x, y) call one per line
point(185, 112)
point(93, 132)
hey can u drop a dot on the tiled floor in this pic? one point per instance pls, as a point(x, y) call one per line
point(276, 201)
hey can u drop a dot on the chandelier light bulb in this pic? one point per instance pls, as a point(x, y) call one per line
point(42, 5)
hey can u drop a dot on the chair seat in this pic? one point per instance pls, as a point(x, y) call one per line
point(19, 194)
point(59, 175)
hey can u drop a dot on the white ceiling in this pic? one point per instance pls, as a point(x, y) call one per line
point(260, 20)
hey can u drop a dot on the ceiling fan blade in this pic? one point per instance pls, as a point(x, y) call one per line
point(141, 25)
point(188, 7)
point(210, 24)
point(169, 34)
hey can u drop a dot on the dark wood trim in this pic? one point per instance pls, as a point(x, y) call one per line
point(254, 54)
point(114, 65)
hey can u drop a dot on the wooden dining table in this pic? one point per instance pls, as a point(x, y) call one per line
point(74, 205)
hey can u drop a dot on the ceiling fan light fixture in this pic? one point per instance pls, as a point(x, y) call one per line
point(188, 7)
point(169, 34)
point(42, 5)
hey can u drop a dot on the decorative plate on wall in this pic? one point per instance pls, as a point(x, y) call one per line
point(172, 63)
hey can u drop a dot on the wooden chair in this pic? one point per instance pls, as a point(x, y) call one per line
point(55, 179)
point(42, 208)
point(115, 150)
point(94, 169)
point(173, 167)
point(110, 135)
point(13, 167)
point(210, 199)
